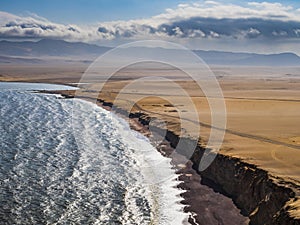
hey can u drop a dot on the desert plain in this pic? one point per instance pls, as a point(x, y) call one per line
point(262, 106)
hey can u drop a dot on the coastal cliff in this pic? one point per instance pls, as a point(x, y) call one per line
point(265, 199)
point(260, 197)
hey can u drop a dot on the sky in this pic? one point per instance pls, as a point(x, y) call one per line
point(248, 26)
point(89, 11)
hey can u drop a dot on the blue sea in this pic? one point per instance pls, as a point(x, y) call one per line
point(88, 167)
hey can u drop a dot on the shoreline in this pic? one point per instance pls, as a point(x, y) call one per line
point(201, 202)
point(264, 198)
point(194, 193)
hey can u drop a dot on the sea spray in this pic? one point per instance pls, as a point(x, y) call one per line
point(106, 175)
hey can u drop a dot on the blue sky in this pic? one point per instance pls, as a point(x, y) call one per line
point(81, 11)
point(254, 25)
point(89, 11)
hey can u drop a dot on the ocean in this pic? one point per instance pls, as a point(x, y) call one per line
point(88, 167)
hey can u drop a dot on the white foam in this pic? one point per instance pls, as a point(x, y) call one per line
point(159, 178)
point(45, 165)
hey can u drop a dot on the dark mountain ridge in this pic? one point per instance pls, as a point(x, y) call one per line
point(60, 48)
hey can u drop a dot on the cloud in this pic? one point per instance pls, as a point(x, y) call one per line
point(33, 26)
point(207, 20)
point(234, 28)
point(297, 32)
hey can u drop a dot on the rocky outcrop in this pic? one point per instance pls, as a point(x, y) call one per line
point(261, 197)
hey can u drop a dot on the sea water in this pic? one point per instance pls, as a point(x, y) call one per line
point(67, 161)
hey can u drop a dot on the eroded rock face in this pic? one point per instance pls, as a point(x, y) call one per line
point(257, 194)
point(261, 197)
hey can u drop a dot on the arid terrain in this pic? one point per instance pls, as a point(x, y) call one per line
point(262, 105)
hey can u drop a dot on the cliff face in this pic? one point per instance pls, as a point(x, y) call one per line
point(258, 195)
point(261, 197)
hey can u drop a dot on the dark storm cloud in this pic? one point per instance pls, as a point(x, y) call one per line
point(235, 28)
point(102, 30)
point(30, 25)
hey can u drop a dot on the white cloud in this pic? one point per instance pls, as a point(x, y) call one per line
point(214, 34)
point(6, 17)
point(178, 31)
point(196, 33)
point(253, 31)
point(297, 32)
point(211, 2)
point(269, 5)
point(280, 33)
point(179, 22)
point(220, 10)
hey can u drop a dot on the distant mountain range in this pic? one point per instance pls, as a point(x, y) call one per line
point(46, 47)
point(249, 59)
point(37, 52)
point(19, 60)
